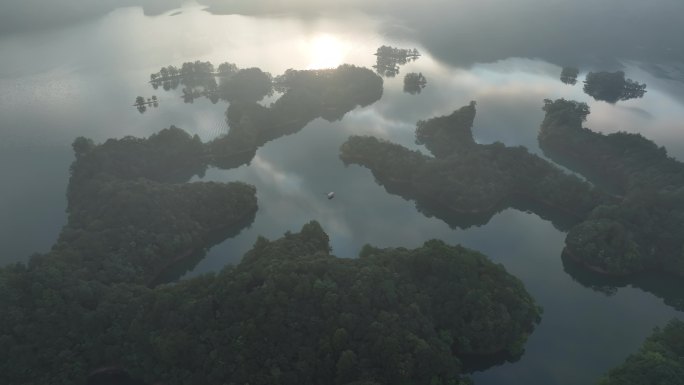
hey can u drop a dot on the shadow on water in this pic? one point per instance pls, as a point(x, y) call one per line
point(480, 363)
point(187, 263)
point(560, 219)
point(669, 288)
point(608, 182)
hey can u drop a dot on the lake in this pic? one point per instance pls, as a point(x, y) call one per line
point(80, 79)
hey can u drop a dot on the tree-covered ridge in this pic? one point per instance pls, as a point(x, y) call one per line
point(133, 230)
point(388, 59)
point(169, 156)
point(395, 165)
point(467, 183)
point(659, 361)
point(326, 93)
point(307, 95)
point(645, 229)
point(289, 313)
point(612, 87)
point(129, 218)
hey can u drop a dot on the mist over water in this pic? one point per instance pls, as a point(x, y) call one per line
point(73, 68)
point(460, 32)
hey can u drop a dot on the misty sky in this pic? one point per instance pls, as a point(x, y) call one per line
point(581, 32)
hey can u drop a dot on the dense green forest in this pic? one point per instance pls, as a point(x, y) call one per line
point(466, 183)
point(292, 313)
point(640, 228)
point(659, 361)
point(645, 229)
point(130, 215)
point(289, 313)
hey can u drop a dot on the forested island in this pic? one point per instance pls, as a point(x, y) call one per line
point(226, 82)
point(659, 361)
point(636, 226)
point(306, 95)
point(645, 229)
point(414, 83)
point(612, 87)
point(141, 104)
point(466, 183)
point(388, 59)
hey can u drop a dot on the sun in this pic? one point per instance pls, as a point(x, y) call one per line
point(326, 51)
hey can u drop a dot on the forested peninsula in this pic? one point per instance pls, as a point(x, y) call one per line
point(289, 313)
point(644, 230)
point(659, 361)
point(130, 215)
point(305, 96)
point(466, 183)
point(635, 222)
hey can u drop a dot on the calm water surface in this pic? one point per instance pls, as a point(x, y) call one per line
point(82, 79)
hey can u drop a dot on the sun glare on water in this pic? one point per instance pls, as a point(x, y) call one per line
point(325, 51)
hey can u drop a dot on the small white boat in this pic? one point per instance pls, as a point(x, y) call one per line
point(331, 195)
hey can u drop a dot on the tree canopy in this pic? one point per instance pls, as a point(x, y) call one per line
point(200, 80)
point(414, 82)
point(388, 59)
point(307, 95)
point(466, 183)
point(643, 229)
point(289, 313)
point(130, 215)
point(612, 87)
point(659, 361)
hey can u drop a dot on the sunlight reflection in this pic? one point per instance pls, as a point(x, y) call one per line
point(326, 51)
